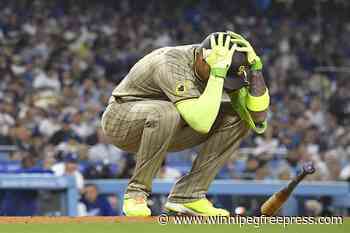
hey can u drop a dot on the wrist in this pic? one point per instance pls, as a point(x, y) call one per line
point(215, 79)
point(257, 64)
point(258, 103)
point(218, 72)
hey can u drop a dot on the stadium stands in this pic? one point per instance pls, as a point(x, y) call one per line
point(60, 60)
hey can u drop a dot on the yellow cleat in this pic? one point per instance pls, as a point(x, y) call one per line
point(136, 207)
point(201, 207)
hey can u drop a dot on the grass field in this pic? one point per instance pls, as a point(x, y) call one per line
point(110, 226)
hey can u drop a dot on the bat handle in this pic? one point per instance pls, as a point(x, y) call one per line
point(308, 168)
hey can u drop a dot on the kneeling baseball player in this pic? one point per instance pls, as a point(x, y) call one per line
point(209, 94)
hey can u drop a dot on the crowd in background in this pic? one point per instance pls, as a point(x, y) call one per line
point(59, 62)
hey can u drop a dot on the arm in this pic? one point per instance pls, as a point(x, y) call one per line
point(201, 113)
point(257, 88)
point(252, 109)
point(257, 99)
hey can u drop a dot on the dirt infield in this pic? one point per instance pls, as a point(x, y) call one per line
point(122, 219)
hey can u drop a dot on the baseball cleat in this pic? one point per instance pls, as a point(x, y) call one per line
point(201, 207)
point(136, 207)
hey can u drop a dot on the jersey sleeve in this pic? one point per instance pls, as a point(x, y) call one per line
point(175, 78)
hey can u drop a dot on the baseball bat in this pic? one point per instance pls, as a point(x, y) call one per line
point(275, 202)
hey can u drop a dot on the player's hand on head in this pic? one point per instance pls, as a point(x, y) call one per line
point(235, 35)
point(244, 46)
point(219, 57)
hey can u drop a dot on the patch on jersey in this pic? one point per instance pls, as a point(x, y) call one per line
point(182, 87)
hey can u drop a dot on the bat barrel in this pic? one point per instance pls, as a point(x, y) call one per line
point(275, 202)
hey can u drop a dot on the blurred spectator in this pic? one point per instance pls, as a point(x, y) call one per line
point(313, 208)
point(65, 134)
point(94, 203)
point(267, 143)
point(6, 123)
point(47, 80)
point(251, 166)
point(101, 170)
point(167, 172)
point(345, 173)
point(128, 169)
point(104, 151)
point(69, 167)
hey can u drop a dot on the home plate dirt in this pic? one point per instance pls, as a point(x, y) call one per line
point(75, 219)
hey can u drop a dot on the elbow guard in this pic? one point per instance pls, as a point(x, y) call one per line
point(258, 103)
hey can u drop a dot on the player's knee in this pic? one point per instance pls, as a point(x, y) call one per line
point(105, 120)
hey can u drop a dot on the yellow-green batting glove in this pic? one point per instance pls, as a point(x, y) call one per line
point(219, 57)
point(253, 59)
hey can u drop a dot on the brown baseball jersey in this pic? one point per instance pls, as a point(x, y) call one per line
point(164, 74)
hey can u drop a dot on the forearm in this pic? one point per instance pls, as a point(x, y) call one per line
point(257, 88)
point(201, 113)
point(257, 85)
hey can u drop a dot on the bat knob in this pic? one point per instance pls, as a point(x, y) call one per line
point(309, 168)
